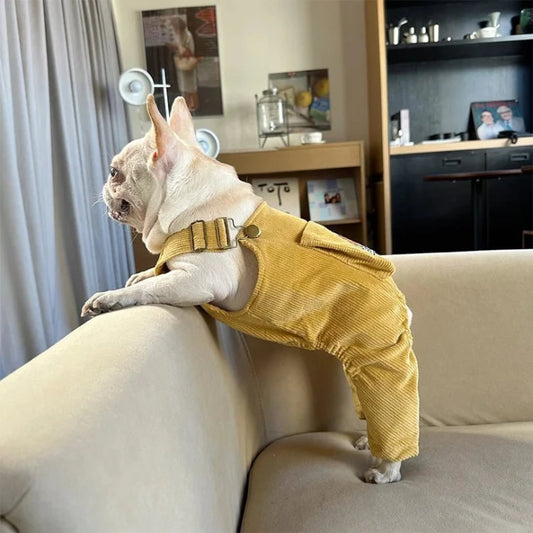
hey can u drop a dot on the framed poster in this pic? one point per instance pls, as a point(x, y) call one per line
point(499, 115)
point(332, 199)
point(184, 41)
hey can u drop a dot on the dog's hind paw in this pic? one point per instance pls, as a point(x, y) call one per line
point(384, 472)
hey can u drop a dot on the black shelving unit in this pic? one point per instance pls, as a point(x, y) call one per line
point(438, 82)
point(513, 45)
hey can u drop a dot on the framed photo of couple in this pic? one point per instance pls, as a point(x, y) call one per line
point(490, 118)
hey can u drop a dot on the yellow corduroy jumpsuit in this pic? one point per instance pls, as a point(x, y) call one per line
point(319, 291)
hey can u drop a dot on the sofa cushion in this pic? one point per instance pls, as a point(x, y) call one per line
point(475, 478)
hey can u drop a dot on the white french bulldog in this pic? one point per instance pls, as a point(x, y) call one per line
point(162, 183)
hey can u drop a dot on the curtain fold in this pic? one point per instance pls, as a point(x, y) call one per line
point(62, 120)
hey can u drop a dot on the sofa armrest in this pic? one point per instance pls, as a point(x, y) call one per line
point(133, 422)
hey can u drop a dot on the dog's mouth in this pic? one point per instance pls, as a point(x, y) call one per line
point(120, 211)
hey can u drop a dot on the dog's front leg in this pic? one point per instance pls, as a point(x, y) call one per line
point(183, 287)
point(140, 276)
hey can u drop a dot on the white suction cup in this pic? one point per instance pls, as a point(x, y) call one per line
point(136, 84)
point(208, 142)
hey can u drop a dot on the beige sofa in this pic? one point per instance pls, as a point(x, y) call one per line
point(154, 419)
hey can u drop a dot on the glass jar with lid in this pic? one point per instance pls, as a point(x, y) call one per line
point(271, 116)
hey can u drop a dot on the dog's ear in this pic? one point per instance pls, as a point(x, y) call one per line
point(181, 122)
point(165, 141)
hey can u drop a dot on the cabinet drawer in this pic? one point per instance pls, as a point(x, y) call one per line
point(507, 158)
point(432, 216)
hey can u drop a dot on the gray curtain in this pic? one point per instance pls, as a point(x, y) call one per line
point(61, 121)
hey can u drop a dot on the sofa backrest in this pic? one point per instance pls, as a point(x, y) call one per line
point(473, 337)
point(473, 331)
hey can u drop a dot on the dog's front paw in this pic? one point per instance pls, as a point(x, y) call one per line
point(102, 302)
point(140, 276)
point(384, 472)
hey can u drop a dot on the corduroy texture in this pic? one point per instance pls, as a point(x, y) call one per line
point(319, 291)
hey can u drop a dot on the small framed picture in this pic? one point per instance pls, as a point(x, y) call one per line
point(280, 193)
point(332, 200)
point(490, 118)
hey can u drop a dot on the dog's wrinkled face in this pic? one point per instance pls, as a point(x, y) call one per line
point(130, 184)
point(139, 175)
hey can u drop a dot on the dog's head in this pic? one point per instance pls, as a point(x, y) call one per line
point(155, 178)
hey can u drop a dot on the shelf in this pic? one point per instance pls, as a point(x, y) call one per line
point(339, 222)
point(329, 161)
point(295, 158)
point(457, 146)
point(462, 48)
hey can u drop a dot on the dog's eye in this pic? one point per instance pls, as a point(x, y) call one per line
point(114, 172)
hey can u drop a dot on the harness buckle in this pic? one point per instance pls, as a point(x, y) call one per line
point(199, 225)
point(224, 243)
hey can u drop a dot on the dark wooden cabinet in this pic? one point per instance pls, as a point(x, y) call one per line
point(437, 216)
point(509, 200)
point(437, 83)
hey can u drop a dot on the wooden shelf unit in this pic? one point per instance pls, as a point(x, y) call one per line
point(317, 161)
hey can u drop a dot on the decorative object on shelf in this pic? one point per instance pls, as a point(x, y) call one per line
point(494, 19)
point(487, 28)
point(393, 32)
point(184, 41)
point(400, 128)
point(433, 32)
point(491, 118)
point(272, 120)
point(279, 193)
point(313, 137)
point(423, 36)
point(411, 37)
point(526, 20)
point(136, 84)
point(427, 34)
point(332, 200)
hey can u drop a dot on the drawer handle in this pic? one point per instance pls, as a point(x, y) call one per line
point(520, 157)
point(452, 162)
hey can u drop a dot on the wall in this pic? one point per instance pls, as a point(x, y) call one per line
point(258, 37)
